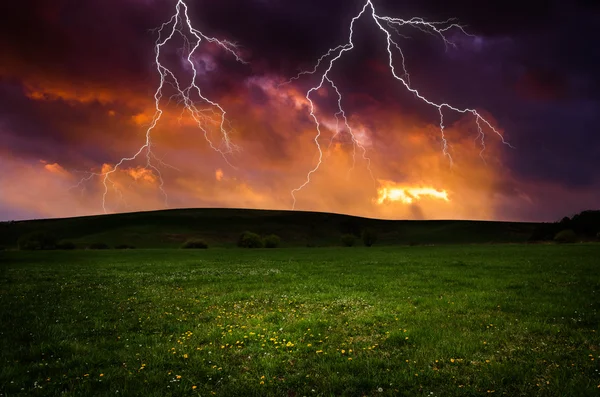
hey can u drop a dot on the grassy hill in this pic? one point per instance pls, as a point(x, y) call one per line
point(221, 227)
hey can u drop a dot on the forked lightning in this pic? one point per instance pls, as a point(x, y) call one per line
point(390, 28)
point(211, 113)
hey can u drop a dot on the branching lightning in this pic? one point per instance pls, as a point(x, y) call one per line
point(210, 114)
point(388, 26)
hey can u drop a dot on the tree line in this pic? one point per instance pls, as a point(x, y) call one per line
point(583, 226)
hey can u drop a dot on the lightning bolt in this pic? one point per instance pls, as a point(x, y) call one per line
point(388, 26)
point(204, 111)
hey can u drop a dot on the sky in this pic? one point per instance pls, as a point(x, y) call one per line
point(77, 94)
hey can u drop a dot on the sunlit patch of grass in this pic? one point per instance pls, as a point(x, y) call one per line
point(378, 321)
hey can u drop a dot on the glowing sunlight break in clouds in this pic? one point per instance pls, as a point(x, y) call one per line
point(391, 192)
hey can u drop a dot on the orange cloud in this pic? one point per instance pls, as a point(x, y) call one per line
point(277, 152)
point(57, 90)
point(219, 175)
point(56, 168)
point(142, 119)
point(141, 174)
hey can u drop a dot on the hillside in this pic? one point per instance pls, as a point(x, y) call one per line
point(221, 227)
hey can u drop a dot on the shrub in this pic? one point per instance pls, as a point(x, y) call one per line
point(124, 247)
point(37, 241)
point(348, 240)
point(195, 243)
point(65, 245)
point(98, 246)
point(598, 236)
point(566, 236)
point(272, 241)
point(544, 231)
point(369, 237)
point(250, 240)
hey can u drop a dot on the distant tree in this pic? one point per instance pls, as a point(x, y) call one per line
point(586, 223)
point(566, 236)
point(37, 241)
point(598, 236)
point(250, 240)
point(564, 222)
point(65, 245)
point(369, 237)
point(195, 244)
point(98, 246)
point(124, 247)
point(272, 241)
point(544, 231)
point(348, 240)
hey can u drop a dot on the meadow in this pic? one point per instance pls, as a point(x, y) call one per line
point(461, 320)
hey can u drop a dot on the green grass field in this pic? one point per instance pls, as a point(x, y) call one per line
point(514, 320)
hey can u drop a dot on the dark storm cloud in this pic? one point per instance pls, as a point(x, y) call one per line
point(532, 65)
point(543, 85)
point(84, 41)
point(23, 130)
point(551, 101)
point(71, 133)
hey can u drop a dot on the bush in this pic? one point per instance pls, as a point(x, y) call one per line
point(348, 240)
point(250, 240)
point(124, 247)
point(98, 246)
point(598, 236)
point(369, 237)
point(566, 236)
point(272, 241)
point(195, 244)
point(65, 245)
point(37, 241)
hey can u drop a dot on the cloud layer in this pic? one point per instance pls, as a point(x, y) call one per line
point(76, 96)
